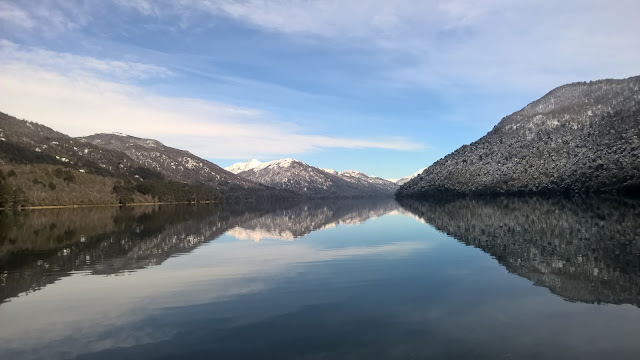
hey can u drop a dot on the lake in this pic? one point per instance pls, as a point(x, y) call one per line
point(496, 278)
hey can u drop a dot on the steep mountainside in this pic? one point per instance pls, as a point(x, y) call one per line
point(582, 137)
point(25, 141)
point(311, 181)
point(179, 165)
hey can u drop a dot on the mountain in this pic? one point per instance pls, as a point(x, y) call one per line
point(40, 166)
point(578, 138)
point(364, 180)
point(406, 179)
point(243, 166)
point(181, 165)
point(311, 181)
point(176, 164)
point(25, 141)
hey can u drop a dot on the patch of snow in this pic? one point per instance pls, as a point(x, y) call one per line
point(284, 163)
point(330, 171)
point(353, 173)
point(243, 166)
point(190, 163)
point(405, 179)
point(119, 134)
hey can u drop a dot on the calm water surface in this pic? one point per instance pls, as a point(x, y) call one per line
point(482, 279)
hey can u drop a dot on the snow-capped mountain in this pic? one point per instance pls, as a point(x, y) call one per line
point(311, 181)
point(243, 166)
point(363, 179)
point(175, 164)
point(405, 179)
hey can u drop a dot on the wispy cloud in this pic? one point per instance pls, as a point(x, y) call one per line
point(70, 63)
point(48, 15)
point(498, 44)
point(81, 102)
point(13, 14)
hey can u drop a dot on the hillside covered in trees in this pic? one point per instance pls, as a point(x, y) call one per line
point(579, 138)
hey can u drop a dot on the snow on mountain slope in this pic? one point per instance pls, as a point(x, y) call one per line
point(330, 171)
point(176, 164)
point(363, 179)
point(243, 166)
point(578, 138)
point(405, 179)
point(311, 181)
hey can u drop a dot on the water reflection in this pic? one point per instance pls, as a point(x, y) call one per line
point(388, 288)
point(291, 223)
point(585, 250)
point(40, 247)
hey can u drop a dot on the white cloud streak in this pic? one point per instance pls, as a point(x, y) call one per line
point(70, 64)
point(37, 85)
point(495, 44)
point(13, 14)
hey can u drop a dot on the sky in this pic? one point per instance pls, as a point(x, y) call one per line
point(381, 86)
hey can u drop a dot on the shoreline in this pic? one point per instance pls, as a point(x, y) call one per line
point(105, 205)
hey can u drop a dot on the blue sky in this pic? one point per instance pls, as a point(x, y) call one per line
point(384, 87)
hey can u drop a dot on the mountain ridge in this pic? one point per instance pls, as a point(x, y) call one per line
point(46, 167)
point(578, 138)
point(313, 181)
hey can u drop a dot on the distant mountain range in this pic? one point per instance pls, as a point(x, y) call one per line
point(578, 138)
point(40, 166)
point(175, 164)
point(311, 181)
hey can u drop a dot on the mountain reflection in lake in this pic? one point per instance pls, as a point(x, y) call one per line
point(363, 279)
point(582, 250)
